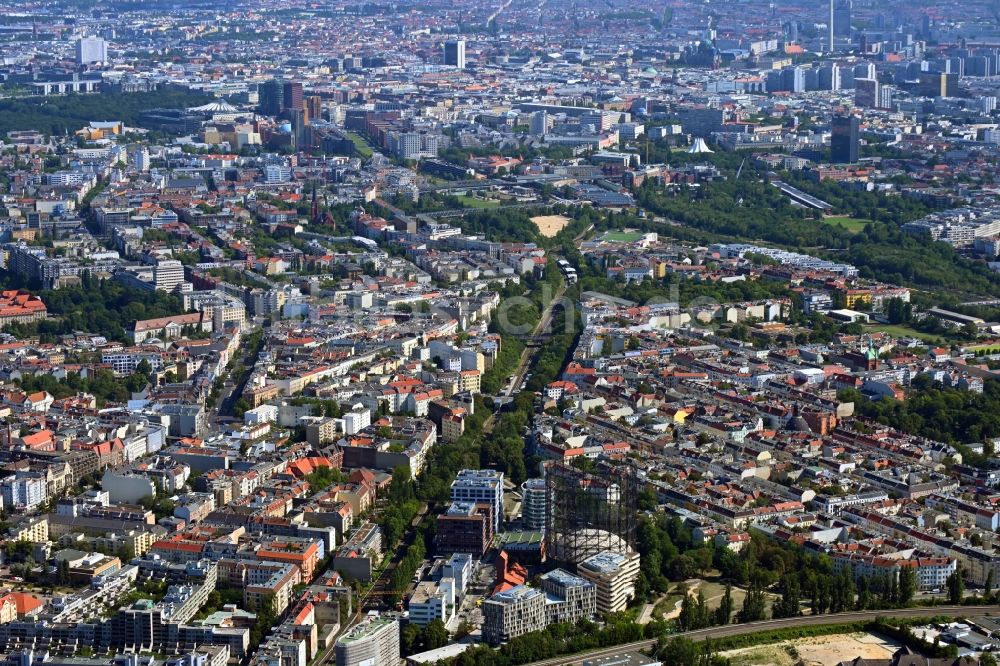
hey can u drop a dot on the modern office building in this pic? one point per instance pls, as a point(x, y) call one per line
point(614, 574)
point(539, 123)
point(412, 145)
point(701, 121)
point(886, 97)
point(866, 93)
point(829, 77)
point(568, 598)
point(372, 643)
point(533, 504)
point(291, 96)
point(270, 96)
point(844, 139)
point(90, 50)
point(168, 274)
point(793, 79)
point(454, 53)
point(517, 611)
point(459, 567)
point(938, 84)
point(480, 485)
point(314, 107)
point(865, 70)
point(842, 18)
point(432, 601)
point(140, 160)
point(465, 527)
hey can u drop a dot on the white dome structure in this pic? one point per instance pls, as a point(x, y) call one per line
point(220, 106)
point(699, 146)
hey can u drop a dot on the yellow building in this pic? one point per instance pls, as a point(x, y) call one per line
point(470, 380)
point(854, 296)
point(8, 609)
point(35, 530)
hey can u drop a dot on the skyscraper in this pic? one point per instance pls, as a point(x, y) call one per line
point(938, 84)
point(842, 18)
point(865, 70)
point(539, 123)
point(300, 122)
point(866, 93)
point(829, 77)
point(90, 50)
point(830, 26)
point(844, 131)
point(140, 160)
point(291, 95)
point(270, 97)
point(454, 53)
point(793, 79)
point(314, 108)
point(886, 97)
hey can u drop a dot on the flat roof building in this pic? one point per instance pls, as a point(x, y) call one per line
point(480, 485)
point(568, 597)
point(372, 643)
point(614, 574)
point(517, 611)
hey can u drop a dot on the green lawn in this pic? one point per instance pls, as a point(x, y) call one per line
point(475, 202)
point(621, 236)
point(853, 224)
point(986, 349)
point(364, 150)
point(903, 332)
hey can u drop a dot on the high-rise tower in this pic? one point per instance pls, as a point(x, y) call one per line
point(831, 26)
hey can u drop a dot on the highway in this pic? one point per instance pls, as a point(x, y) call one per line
point(784, 623)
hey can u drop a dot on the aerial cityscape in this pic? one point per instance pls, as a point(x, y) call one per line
point(548, 332)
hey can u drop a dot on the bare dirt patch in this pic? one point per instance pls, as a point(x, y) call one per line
point(815, 651)
point(550, 225)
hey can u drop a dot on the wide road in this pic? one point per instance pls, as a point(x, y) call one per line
point(784, 623)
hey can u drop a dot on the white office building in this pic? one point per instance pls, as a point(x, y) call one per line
point(357, 420)
point(533, 503)
point(277, 173)
point(539, 123)
point(459, 568)
point(372, 643)
point(432, 601)
point(614, 574)
point(480, 485)
point(90, 50)
point(168, 274)
point(140, 160)
point(24, 491)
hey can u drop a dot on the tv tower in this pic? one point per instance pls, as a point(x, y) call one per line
point(831, 26)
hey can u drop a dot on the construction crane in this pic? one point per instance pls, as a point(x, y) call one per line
point(740, 170)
